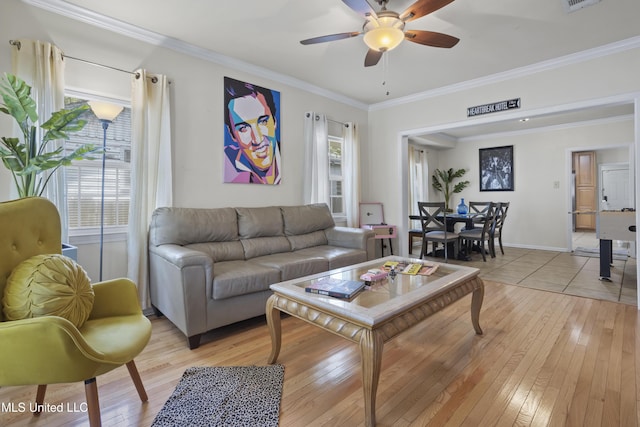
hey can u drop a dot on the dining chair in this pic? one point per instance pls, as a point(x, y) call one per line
point(501, 215)
point(480, 209)
point(481, 234)
point(433, 219)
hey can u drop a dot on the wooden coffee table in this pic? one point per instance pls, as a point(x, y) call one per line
point(375, 315)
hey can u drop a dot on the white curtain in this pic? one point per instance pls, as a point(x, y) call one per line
point(41, 66)
point(316, 163)
point(151, 169)
point(351, 153)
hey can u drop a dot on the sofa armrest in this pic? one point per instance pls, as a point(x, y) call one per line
point(180, 285)
point(350, 237)
point(182, 257)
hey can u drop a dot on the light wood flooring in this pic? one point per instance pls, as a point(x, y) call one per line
point(545, 359)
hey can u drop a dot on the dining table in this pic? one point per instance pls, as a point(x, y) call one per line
point(453, 218)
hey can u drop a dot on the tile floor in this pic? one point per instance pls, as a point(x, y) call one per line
point(560, 271)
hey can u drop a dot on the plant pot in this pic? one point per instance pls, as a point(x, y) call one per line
point(70, 251)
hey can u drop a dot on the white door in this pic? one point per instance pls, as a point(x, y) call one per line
point(614, 187)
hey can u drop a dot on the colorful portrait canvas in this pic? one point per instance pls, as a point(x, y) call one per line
point(252, 133)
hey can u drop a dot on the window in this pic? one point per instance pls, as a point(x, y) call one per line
point(336, 196)
point(84, 177)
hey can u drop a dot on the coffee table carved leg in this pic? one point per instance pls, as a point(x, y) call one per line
point(371, 359)
point(476, 305)
point(275, 329)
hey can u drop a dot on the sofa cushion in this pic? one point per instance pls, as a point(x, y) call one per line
point(265, 246)
point(182, 226)
point(234, 278)
point(307, 240)
point(306, 219)
point(336, 256)
point(220, 251)
point(293, 265)
point(259, 222)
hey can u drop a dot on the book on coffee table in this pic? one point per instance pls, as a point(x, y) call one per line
point(335, 287)
point(421, 269)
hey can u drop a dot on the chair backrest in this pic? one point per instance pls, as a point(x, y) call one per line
point(433, 216)
point(501, 215)
point(28, 227)
point(490, 218)
point(478, 207)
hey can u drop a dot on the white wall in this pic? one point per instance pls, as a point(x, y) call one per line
point(566, 87)
point(538, 211)
point(198, 126)
point(197, 115)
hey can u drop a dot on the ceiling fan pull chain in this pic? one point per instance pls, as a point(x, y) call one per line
point(385, 72)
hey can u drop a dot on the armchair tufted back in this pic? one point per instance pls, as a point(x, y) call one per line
point(28, 227)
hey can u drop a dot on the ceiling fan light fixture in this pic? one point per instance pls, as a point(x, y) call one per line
point(384, 34)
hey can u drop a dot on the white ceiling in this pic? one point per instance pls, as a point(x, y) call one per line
point(497, 36)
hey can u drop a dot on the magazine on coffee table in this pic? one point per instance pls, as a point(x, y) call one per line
point(423, 269)
point(335, 287)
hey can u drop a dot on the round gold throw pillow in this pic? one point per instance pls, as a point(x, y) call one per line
point(48, 285)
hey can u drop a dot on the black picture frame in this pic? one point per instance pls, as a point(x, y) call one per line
point(496, 168)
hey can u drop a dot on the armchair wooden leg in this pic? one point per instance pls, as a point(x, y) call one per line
point(93, 405)
point(135, 376)
point(42, 389)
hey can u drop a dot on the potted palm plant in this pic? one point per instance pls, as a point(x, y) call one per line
point(441, 180)
point(28, 158)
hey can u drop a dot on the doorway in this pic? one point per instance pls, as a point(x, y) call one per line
point(614, 179)
point(584, 191)
point(614, 186)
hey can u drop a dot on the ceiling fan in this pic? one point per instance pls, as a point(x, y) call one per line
point(384, 30)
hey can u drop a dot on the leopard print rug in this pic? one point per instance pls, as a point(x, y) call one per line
point(225, 396)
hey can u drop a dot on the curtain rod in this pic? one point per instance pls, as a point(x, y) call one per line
point(154, 79)
point(331, 120)
point(340, 123)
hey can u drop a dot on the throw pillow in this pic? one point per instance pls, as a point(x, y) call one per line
point(48, 285)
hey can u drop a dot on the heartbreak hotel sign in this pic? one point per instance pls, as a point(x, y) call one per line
point(495, 107)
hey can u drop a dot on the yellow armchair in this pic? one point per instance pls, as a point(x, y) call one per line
point(50, 349)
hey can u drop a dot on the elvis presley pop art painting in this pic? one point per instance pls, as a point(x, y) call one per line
point(252, 133)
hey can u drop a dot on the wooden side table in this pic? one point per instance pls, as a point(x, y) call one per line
point(383, 231)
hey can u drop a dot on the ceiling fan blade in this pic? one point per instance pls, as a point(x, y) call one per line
point(372, 58)
point(361, 7)
point(330, 37)
point(431, 38)
point(422, 8)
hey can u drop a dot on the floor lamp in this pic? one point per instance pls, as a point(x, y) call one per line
point(106, 113)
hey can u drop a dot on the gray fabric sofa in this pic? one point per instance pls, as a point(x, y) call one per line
point(213, 267)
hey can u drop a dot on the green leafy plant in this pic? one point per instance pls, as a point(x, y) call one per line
point(26, 157)
point(441, 180)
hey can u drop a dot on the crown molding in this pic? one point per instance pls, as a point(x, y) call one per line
point(597, 52)
point(77, 13)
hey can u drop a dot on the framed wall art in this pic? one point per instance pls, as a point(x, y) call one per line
point(251, 133)
point(496, 169)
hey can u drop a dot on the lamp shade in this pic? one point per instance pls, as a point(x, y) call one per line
point(105, 110)
point(385, 33)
